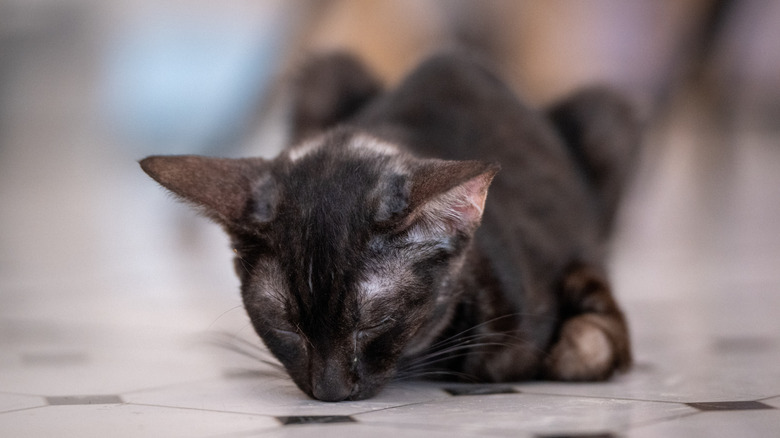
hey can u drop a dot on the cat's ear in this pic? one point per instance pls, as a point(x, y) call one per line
point(449, 196)
point(227, 190)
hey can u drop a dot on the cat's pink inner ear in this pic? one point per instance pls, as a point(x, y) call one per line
point(470, 198)
point(222, 187)
point(458, 204)
point(461, 207)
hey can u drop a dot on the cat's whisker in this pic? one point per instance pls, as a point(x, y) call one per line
point(468, 342)
point(447, 354)
point(223, 314)
point(478, 326)
point(466, 346)
point(239, 350)
point(234, 344)
point(431, 373)
point(244, 348)
point(466, 339)
point(458, 341)
point(248, 268)
point(244, 328)
point(249, 344)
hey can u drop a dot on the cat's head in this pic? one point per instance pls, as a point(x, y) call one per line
point(344, 245)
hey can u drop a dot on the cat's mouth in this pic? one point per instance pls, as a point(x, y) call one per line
point(332, 393)
point(355, 395)
point(329, 390)
point(338, 394)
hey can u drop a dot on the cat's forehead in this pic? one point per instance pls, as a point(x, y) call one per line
point(357, 145)
point(328, 187)
point(340, 172)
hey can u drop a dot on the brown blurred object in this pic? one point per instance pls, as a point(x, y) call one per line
point(389, 35)
point(564, 44)
point(546, 48)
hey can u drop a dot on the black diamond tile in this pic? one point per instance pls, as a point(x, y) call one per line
point(316, 419)
point(85, 400)
point(729, 406)
point(480, 390)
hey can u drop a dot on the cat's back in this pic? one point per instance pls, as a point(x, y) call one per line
point(453, 106)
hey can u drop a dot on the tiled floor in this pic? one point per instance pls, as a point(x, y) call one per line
point(116, 305)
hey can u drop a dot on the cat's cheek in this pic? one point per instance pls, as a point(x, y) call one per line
point(373, 370)
point(289, 348)
point(380, 353)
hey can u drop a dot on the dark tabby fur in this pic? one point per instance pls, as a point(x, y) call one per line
point(360, 249)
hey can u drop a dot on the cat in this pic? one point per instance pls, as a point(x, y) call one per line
point(370, 248)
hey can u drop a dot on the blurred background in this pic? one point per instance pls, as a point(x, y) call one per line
point(88, 87)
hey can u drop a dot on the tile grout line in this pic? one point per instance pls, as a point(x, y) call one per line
point(395, 407)
point(768, 398)
point(24, 409)
point(646, 423)
point(681, 416)
point(152, 405)
point(604, 397)
point(23, 394)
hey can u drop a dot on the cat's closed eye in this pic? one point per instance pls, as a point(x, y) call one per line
point(289, 333)
point(374, 329)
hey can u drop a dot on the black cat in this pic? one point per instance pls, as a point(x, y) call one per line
point(370, 248)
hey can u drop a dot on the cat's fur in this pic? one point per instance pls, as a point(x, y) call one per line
point(370, 247)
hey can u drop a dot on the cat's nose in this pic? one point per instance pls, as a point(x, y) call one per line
point(331, 385)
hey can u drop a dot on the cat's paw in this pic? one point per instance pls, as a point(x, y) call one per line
point(590, 347)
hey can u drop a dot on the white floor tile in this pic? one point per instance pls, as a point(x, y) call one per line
point(14, 402)
point(725, 375)
point(529, 413)
point(104, 369)
point(774, 401)
point(127, 421)
point(276, 396)
point(362, 430)
point(715, 425)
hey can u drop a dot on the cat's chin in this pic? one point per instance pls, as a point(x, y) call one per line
point(357, 393)
point(355, 396)
point(365, 394)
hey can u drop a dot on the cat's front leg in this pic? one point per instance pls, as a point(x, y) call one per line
point(593, 340)
point(327, 90)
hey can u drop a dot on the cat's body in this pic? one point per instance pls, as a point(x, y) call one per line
point(360, 249)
